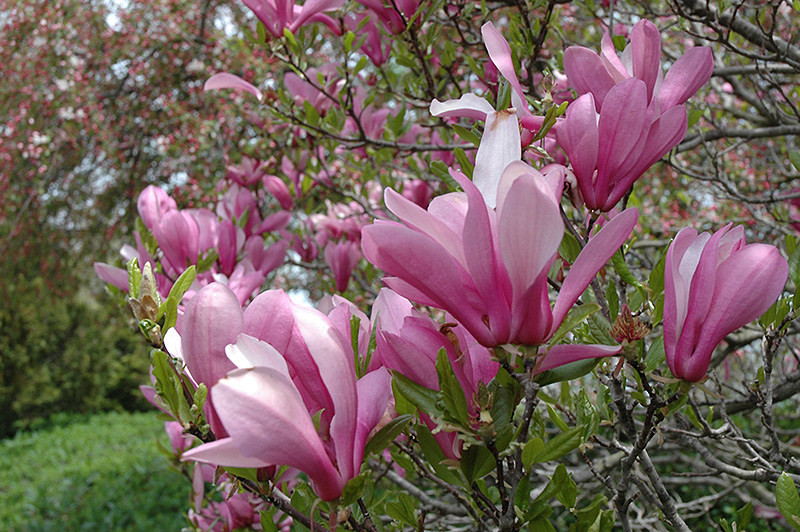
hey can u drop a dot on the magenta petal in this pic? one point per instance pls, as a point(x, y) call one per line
point(312, 8)
point(646, 54)
point(230, 81)
point(578, 136)
point(690, 72)
point(587, 73)
point(213, 319)
point(500, 54)
point(748, 283)
point(374, 391)
point(594, 256)
point(559, 355)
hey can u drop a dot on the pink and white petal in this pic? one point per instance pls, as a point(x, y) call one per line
point(250, 352)
point(500, 146)
point(374, 391)
point(468, 106)
point(112, 275)
point(266, 418)
point(224, 453)
point(690, 72)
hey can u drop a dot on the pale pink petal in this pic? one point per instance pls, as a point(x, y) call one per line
point(231, 81)
point(559, 355)
point(500, 146)
point(468, 106)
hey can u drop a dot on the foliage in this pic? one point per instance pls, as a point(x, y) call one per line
point(102, 472)
point(62, 354)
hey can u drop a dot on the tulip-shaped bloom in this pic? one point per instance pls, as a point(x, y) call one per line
point(489, 268)
point(267, 405)
point(714, 285)
point(629, 114)
point(611, 149)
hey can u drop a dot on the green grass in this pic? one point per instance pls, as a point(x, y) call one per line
point(103, 472)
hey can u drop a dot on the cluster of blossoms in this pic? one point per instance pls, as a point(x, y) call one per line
point(295, 386)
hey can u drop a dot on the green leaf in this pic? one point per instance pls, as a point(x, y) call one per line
point(467, 134)
point(788, 500)
point(183, 283)
point(794, 266)
point(243, 472)
point(794, 156)
point(463, 162)
point(476, 462)
point(348, 41)
point(531, 450)
point(387, 434)
point(421, 397)
point(402, 510)
point(656, 279)
point(261, 31)
point(562, 444)
point(569, 248)
point(556, 418)
point(612, 297)
point(451, 396)
point(655, 355)
point(618, 260)
point(312, 115)
point(354, 488)
point(567, 372)
point(134, 277)
point(435, 456)
point(575, 317)
point(744, 514)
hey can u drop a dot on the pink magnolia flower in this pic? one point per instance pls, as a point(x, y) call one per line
point(629, 114)
point(489, 268)
point(714, 285)
point(266, 406)
point(589, 72)
point(153, 204)
point(609, 151)
point(342, 258)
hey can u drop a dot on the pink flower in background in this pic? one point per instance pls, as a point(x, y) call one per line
point(342, 258)
point(714, 285)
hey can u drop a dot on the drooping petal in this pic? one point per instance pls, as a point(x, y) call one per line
point(223, 452)
point(500, 54)
point(468, 106)
point(312, 8)
point(594, 256)
point(374, 391)
point(559, 355)
point(112, 275)
point(231, 81)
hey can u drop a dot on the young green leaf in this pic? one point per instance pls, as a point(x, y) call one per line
point(788, 500)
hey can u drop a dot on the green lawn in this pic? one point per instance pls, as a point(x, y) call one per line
point(102, 473)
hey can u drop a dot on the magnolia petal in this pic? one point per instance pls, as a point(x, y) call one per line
point(250, 352)
point(646, 54)
point(468, 106)
point(267, 419)
point(594, 256)
point(374, 391)
point(112, 275)
point(579, 139)
point(587, 73)
point(223, 452)
point(231, 81)
point(559, 355)
point(690, 72)
point(500, 54)
point(500, 146)
point(312, 8)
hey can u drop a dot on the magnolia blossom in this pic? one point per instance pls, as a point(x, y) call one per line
point(267, 405)
point(489, 268)
point(629, 114)
point(714, 285)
